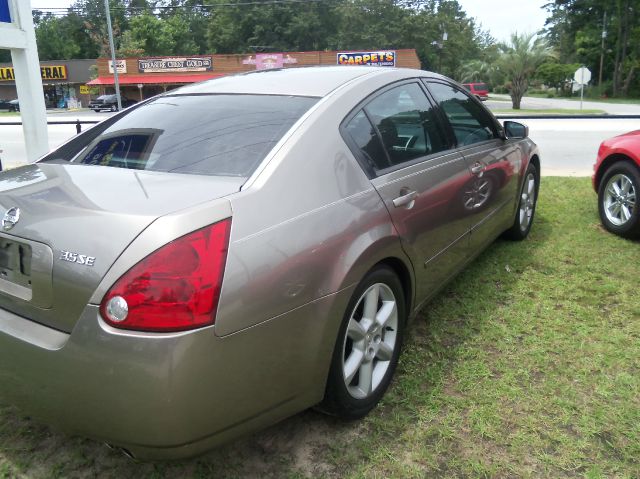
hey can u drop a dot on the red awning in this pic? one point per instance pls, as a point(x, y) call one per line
point(155, 79)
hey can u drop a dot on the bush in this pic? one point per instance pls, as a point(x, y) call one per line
point(600, 91)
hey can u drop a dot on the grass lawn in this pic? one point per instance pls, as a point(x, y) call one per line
point(547, 111)
point(527, 365)
point(633, 101)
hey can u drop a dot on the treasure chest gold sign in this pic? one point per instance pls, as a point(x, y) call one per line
point(383, 58)
point(48, 72)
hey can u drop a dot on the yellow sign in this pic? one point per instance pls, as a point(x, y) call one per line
point(48, 72)
point(84, 90)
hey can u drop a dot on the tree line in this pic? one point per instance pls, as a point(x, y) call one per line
point(604, 35)
point(445, 38)
point(186, 27)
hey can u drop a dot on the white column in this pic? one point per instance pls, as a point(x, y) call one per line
point(26, 65)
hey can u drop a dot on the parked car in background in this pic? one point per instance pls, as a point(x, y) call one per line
point(233, 252)
point(616, 179)
point(9, 105)
point(109, 102)
point(480, 90)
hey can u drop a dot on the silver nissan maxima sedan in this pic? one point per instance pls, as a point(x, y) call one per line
point(222, 256)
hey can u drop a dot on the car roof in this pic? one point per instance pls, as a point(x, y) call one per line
point(317, 81)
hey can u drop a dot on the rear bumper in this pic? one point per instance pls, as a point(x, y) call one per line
point(168, 395)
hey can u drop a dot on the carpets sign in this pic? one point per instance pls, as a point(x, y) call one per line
point(384, 58)
point(178, 64)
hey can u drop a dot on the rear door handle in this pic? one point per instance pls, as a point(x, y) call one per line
point(477, 168)
point(407, 199)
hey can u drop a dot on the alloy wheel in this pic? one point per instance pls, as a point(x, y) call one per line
point(370, 341)
point(619, 199)
point(527, 201)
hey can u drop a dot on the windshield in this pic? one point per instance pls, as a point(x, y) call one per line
point(222, 135)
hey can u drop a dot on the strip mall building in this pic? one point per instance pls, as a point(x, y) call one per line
point(68, 83)
point(62, 81)
point(144, 77)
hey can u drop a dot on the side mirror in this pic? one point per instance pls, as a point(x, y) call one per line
point(513, 129)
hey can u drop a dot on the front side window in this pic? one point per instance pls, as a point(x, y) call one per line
point(220, 135)
point(469, 121)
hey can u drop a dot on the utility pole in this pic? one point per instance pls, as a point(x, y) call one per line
point(604, 35)
point(113, 55)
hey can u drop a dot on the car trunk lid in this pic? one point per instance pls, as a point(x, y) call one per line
point(73, 223)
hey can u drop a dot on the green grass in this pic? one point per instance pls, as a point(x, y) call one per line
point(527, 365)
point(548, 111)
point(632, 101)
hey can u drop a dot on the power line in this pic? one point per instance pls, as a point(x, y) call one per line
point(183, 7)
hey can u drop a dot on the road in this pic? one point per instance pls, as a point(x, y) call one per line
point(532, 103)
point(567, 147)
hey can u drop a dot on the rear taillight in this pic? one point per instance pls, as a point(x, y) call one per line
point(175, 288)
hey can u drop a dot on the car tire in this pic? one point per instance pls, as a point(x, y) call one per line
point(368, 346)
point(618, 200)
point(97, 111)
point(527, 201)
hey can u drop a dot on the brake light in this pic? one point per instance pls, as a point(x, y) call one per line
point(175, 288)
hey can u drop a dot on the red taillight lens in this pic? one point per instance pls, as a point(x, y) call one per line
point(175, 288)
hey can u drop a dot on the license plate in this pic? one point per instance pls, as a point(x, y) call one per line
point(15, 262)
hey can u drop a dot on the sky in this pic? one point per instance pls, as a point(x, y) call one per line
point(499, 17)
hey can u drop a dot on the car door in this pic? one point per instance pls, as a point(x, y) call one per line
point(494, 163)
point(398, 137)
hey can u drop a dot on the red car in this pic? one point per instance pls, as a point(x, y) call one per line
point(616, 179)
point(480, 90)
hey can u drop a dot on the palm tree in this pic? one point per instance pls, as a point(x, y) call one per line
point(519, 60)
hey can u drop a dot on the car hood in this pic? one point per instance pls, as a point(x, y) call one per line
point(74, 222)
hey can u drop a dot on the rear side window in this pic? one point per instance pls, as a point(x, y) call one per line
point(220, 135)
point(406, 122)
point(396, 127)
point(365, 138)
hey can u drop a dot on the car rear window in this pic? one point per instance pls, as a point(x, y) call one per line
point(220, 135)
point(481, 86)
